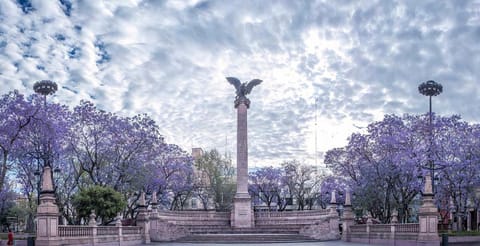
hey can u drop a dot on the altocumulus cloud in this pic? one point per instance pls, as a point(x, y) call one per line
point(346, 62)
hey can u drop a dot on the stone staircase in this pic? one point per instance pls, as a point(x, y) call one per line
point(269, 227)
point(240, 237)
point(224, 229)
point(263, 234)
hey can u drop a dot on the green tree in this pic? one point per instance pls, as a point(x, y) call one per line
point(106, 202)
point(217, 175)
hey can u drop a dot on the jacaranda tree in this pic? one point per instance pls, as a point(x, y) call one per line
point(384, 166)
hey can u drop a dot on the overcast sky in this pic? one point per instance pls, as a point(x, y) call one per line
point(345, 63)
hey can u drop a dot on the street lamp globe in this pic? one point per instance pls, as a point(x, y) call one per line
point(45, 87)
point(430, 88)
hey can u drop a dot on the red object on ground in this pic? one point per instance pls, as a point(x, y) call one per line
point(10, 238)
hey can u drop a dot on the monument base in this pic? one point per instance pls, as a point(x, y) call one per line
point(428, 221)
point(242, 214)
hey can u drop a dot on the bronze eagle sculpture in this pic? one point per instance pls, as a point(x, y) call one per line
point(244, 88)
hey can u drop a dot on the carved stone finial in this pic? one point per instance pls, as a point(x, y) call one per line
point(333, 200)
point(142, 199)
point(394, 216)
point(154, 198)
point(118, 222)
point(348, 201)
point(92, 221)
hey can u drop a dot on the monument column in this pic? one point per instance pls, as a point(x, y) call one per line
point(242, 216)
point(242, 213)
point(242, 104)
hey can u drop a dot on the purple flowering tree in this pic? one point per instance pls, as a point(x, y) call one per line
point(16, 113)
point(266, 184)
point(383, 165)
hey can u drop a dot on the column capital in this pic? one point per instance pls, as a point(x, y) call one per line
point(242, 100)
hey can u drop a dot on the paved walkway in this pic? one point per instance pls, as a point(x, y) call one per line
point(330, 243)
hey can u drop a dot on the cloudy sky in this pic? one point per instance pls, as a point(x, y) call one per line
point(343, 63)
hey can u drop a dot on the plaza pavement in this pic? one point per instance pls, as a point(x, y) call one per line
point(329, 243)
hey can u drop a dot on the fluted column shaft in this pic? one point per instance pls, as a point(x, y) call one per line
point(242, 150)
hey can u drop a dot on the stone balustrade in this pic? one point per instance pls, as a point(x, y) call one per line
point(193, 214)
point(75, 231)
point(385, 234)
point(290, 214)
point(99, 235)
point(407, 228)
point(131, 230)
point(107, 230)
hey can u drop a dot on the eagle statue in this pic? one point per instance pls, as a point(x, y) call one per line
point(244, 88)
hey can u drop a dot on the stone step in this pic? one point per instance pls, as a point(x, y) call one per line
point(245, 238)
point(255, 230)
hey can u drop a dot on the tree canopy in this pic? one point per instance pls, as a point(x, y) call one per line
point(105, 202)
point(383, 165)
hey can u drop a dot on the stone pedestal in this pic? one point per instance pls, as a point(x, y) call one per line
point(47, 212)
point(428, 217)
point(143, 219)
point(348, 217)
point(333, 217)
point(242, 214)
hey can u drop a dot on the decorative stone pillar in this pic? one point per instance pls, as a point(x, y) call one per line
point(469, 219)
point(428, 217)
point(143, 220)
point(333, 217)
point(242, 214)
point(348, 218)
point(154, 217)
point(333, 204)
point(369, 223)
point(394, 216)
point(92, 222)
point(47, 212)
point(118, 224)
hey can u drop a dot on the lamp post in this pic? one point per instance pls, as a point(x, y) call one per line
point(44, 88)
point(316, 153)
point(430, 88)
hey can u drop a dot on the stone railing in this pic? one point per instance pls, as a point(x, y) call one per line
point(131, 230)
point(285, 214)
point(99, 235)
point(193, 214)
point(195, 218)
point(107, 230)
point(384, 233)
point(75, 231)
point(295, 219)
